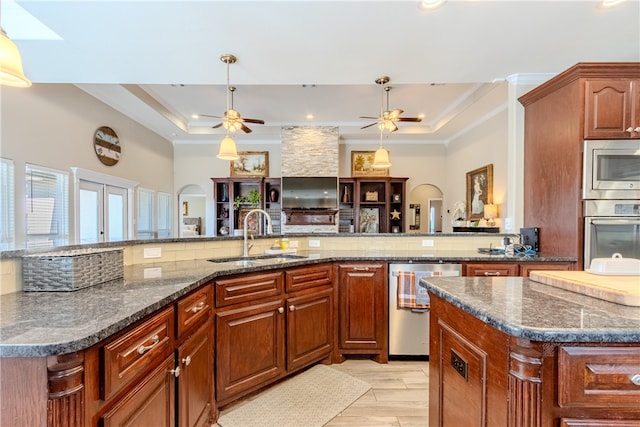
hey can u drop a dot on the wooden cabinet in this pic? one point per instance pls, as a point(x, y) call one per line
point(511, 381)
point(486, 269)
point(372, 205)
point(589, 100)
point(225, 191)
point(266, 330)
point(612, 109)
point(363, 310)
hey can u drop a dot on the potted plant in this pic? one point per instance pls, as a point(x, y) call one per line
point(252, 198)
point(459, 214)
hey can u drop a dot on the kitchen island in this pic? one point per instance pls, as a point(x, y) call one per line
point(514, 352)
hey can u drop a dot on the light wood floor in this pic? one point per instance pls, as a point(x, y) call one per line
point(399, 395)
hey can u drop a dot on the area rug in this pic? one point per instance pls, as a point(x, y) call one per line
point(310, 399)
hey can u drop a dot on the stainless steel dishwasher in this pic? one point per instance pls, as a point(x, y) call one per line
point(409, 327)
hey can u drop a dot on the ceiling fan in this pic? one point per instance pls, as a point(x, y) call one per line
point(232, 120)
point(388, 118)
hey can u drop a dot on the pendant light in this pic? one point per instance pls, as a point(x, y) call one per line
point(11, 73)
point(381, 158)
point(228, 150)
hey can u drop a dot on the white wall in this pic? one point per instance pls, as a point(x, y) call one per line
point(53, 125)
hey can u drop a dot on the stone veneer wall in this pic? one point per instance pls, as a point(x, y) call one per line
point(310, 151)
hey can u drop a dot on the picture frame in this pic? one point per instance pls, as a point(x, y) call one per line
point(479, 191)
point(362, 164)
point(250, 164)
point(253, 221)
point(369, 220)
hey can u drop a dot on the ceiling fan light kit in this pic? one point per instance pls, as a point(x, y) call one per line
point(228, 149)
point(381, 159)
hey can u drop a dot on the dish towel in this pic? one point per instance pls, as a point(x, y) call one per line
point(411, 294)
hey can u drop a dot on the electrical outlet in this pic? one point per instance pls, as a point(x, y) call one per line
point(507, 224)
point(427, 243)
point(293, 244)
point(152, 252)
point(314, 243)
point(152, 273)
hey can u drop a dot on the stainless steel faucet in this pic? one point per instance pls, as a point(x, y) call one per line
point(245, 251)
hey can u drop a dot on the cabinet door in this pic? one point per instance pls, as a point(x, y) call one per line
point(492, 269)
point(363, 308)
point(249, 348)
point(150, 403)
point(527, 268)
point(309, 326)
point(195, 383)
point(608, 109)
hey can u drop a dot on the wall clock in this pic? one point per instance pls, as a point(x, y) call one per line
point(107, 145)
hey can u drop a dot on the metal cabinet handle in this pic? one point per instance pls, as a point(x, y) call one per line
point(635, 378)
point(361, 268)
point(280, 310)
point(637, 129)
point(175, 372)
point(491, 273)
point(198, 307)
point(292, 307)
point(186, 360)
point(142, 349)
point(629, 129)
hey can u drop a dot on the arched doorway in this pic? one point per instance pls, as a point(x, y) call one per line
point(192, 210)
point(425, 209)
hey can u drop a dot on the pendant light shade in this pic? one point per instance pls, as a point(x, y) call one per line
point(228, 149)
point(381, 159)
point(11, 73)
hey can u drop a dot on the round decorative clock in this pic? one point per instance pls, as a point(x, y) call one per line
point(107, 145)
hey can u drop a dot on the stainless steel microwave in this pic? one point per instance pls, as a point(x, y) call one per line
point(611, 169)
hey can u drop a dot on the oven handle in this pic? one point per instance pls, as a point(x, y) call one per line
point(613, 221)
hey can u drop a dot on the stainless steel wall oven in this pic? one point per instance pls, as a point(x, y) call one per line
point(611, 226)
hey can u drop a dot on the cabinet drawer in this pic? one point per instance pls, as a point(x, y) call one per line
point(527, 268)
point(194, 308)
point(492, 270)
point(598, 376)
point(248, 287)
point(308, 277)
point(131, 355)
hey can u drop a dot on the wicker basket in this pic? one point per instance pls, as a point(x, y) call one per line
point(71, 270)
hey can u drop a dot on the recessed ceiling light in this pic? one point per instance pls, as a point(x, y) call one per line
point(195, 116)
point(609, 3)
point(430, 4)
point(310, 116)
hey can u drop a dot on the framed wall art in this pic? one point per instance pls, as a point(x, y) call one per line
point(362, 164)
point(369, 220)
point(250, 163)
point(253, 221)
point(479, 191)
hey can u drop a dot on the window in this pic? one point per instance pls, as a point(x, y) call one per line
point(7, 205)
point(164, 215)
point(145, 223)
point(46, 207)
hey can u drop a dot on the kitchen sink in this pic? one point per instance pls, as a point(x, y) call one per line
point(256, 260)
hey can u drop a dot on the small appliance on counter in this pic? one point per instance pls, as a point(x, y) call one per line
point(529, 236)
point(615, 266)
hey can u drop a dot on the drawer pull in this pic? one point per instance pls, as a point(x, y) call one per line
point(198, 307)
point(491, 273)
point(186, 360)
point(143, 348)
point(280, 310)
point(175, 372)
point(292, 307)
point(629, 129)
point(361, 268)
point(635, 378)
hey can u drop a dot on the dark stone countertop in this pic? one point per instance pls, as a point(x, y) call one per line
point(521, 307)
point(49, 323)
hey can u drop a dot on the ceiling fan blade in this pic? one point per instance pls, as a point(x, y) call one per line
point(208, 115)
point(368, 117)
point(409, 119)
point(394, 128)
point(216, 126)
point(368, 126)
point(257, 121)
point(244, 128)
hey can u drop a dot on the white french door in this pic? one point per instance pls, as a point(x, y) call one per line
point(103, 213)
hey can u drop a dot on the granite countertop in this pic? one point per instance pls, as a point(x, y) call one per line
point(49, 323)
point(521, 307)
